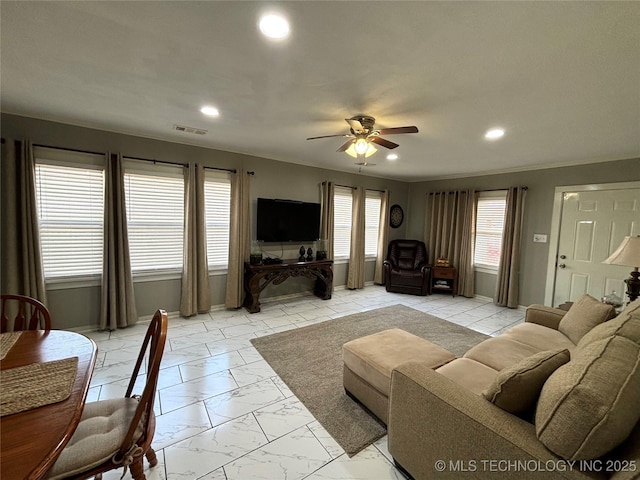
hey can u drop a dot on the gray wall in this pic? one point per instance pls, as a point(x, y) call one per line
point(80, 306)
point(538, 212)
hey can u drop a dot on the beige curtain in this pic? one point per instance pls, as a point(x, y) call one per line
point(326, 223)
point(449, 223)
point(383, 238)
point(355, 275)
point(22, 271)
point(238, 239)
point(118, 306)
point(507, 284)
point(195, 296)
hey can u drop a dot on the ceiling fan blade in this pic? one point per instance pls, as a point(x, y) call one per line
point(395, 130)
point(355, 125)
point(329, 136)
point(345, 146)
point(383, 143)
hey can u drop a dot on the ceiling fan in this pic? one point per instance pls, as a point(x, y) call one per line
point(363, 135)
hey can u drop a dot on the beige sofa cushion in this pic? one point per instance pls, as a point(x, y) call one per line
point(627, 324)
point(590, 405)
point(469, 374)
point(516, 389)
point(373, 357)
point(537, 336)
point(584, 314)
point(500, 352)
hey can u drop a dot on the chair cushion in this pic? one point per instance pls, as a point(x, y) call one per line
point(516, 389)
point(469, 374)
point(101, 431)
point(590, 405)
point(627, 324)
point(584, 314)
point(500, 352)
point(537, 336)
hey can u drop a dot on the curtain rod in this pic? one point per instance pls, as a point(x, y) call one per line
point(477, 191)
point(63, 148)
point(353, 188)
point(230, 170)
point(164, 162)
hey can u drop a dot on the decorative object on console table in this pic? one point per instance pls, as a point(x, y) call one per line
point(628, 254)
point(301, 257)
point(444, 279)
point(321, 250)
point(309, 254)
point(255, 257)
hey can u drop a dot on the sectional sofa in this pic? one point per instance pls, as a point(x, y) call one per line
point(555, 397)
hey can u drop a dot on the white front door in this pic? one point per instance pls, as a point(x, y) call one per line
point(593, 223)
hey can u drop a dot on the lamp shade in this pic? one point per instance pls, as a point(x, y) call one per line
point(628, 253)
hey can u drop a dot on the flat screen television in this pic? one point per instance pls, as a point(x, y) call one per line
point(287, 221)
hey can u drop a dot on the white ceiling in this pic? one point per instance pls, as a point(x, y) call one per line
point(563, 78)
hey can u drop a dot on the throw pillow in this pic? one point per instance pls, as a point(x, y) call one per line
point(627, 325)
point(516, 389)
point(590, 405)
point(584, 314)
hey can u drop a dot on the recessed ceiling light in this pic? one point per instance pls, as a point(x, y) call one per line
point(494, 134)
point(210, 111)
point(392, 156)
point(274, 26)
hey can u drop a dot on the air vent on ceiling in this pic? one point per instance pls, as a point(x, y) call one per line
point(197, 131)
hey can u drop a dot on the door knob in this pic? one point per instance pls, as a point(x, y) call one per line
point(562, 265)
point(563, 257)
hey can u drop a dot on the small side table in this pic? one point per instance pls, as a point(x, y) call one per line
point(444, 279)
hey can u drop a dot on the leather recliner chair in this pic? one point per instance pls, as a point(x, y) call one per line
point(407, 269)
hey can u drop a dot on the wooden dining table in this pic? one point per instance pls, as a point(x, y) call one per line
point(32, 440)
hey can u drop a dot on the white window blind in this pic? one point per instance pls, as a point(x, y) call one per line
point(70, 204)
point(217, 198)
point(489, 226)
point(155, 216)
point(372, 222)
point(342, 204)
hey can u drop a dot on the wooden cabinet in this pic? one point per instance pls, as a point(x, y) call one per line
point(444, 279)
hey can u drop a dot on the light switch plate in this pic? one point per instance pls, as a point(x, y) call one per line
point(539, 238)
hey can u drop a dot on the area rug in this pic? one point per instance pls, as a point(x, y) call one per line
point(309, 361)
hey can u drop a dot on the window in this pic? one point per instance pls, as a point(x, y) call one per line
point(342, 204)
point(155, 216)
point(217, 199)
point(70, 204)
point(371, 222)
point(489, 226)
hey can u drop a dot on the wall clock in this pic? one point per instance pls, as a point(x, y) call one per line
point(396, 215)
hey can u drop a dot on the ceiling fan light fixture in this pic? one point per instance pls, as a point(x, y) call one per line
point(370, 151)
point(361, 146)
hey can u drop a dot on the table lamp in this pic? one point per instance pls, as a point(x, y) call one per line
point(628, 254)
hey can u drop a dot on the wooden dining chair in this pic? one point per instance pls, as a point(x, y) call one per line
point(19, 312)
point(117, 433)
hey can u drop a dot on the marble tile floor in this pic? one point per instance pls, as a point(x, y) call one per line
point(223, 413)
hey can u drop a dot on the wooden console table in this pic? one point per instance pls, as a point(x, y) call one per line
point(257, 277)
